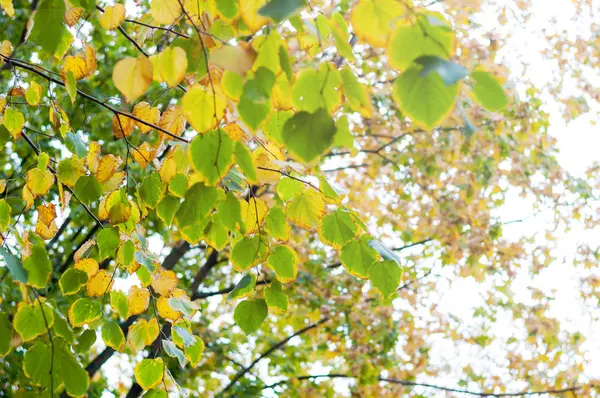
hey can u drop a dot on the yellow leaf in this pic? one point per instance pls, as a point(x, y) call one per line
point(373, 20)
point(168, 169)
point(112, 16)
point(144, 154)
point(165, 11)
point(8, 7)
point(93, 158)
point(90, 60)
point(151, 331)
point(46, 227)
point(27, 197)
point(99, 284)
point(165, 311)
point(198, 107)
point(122, 125)
point(75, 64)
point(164, 282)
point(249, 12)
point(107, 167)
point(33, 95)
point(132, 76)
point(253, 214)
point(148, 113)
point(5, 49)
point(73, 14)
point(88, 265)
point(138, 300)
point(265, 158)
point(172, 121)
point(306, 209)
point(39, 181)
point(235, 132)
point(172, 65)
point(113, 182)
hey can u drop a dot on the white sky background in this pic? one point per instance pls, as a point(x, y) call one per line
point(578, 143)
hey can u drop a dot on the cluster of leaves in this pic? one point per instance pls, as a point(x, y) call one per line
point(209, 132)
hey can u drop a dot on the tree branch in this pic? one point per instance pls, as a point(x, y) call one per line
point(268, 352)
point(409, 383)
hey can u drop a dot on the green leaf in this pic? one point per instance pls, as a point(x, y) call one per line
point(426, 99)
point(273, 127)
point(84, 310)
point(5, 211)
point(278, 10)
point(309, 135)
point(183, 337)
point(287, 188)
point(126, 253)
point(337, 229)
point(87, 189)
point(243, 158)
point(356, 94)
point(184, 305)
point(72, 281)
point(85, 341)
point(233, 85)
point(244, 287)
point(149, 372)
point(113, 336)
point(155, 393)
point(385, 277)
point(195, 351)
point(357, 257)
point(409, 42)
point(75, 145)
point(314, 90)
point(284, 261)
point(284, 61)
point(118, 301)
point(14, 266)
point(276, 224)
point(37, 365)
point(108, 241)
point(48, 26)
point(38, 266)
point(71, 85)
point(488, 91)
point(247, 252)
point(450, 72)
point(255, 102)
point(75, 378)
point(228, 8)
point(211, 155)
point(275, 297)
point(61, 328)
point(250, 314)
point(230, 212)
point(178, 185)
point(30, 321)
point(171, 350)
point(167, 208)
point(152, 189)
point(5, 334)
point(199, 201)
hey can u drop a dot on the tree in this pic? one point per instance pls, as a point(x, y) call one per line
point(191, 189)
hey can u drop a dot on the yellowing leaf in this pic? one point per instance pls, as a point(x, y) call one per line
point(73, 14)
point(112, 16)
point(249, 12)
point(165, 11)
point(172, 65)
point(33, 95)
point(253, 214)
point(107, 166)
point(138, 300)
point(132, 76)
point(165, 310)
point(267, 168)
point(148, 113)
point(14, 122)
point(306, 209)
point(164, 282)
point(373, 20)
point(238, 59)
point(46, 227)
point(39, 181)
point(8, 7)
point(90, 59)
point(75, 64)
point(203, 110)
point(6, 49)
point(168, 170)
point(87, 265)
point(99, 284)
